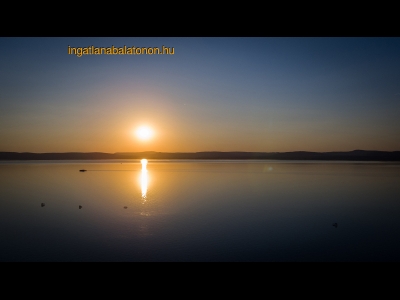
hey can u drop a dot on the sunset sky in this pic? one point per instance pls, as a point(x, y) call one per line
point(212, 94)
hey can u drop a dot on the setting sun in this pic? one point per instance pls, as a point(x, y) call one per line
point(144, 133)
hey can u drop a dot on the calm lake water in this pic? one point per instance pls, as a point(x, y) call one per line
point(199, 211)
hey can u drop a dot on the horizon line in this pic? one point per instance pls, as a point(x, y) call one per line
point(204, 151)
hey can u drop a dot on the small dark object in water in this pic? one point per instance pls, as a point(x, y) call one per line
point(80, 206)
point(82, 170)
point(42, 204)
point(334, 225)
point(125, 207)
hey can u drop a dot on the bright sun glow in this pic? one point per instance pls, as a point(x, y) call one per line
point(144, 133)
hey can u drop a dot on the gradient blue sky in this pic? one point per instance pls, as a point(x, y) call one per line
point(213, 94)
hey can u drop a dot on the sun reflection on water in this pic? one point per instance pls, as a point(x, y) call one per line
point(144, 180)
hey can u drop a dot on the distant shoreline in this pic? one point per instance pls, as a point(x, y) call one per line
point(356, 155)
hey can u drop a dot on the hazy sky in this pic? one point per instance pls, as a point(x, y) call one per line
point(212, 94)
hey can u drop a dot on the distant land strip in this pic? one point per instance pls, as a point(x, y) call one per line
point(356, 155)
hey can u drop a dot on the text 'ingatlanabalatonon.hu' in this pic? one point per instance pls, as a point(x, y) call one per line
point(92, 50)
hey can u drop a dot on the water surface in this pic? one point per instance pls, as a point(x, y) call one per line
point(199, 211)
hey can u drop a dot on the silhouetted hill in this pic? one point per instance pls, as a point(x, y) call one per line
point(356, 155)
